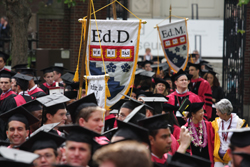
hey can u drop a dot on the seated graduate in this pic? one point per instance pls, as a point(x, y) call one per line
point(33, 89)
point(48, 76)
point(54, 109)
point(86, 113)
point(18, 121)
point(58, 72)
point(160, 138)
point(45, 145)
point(22, 82)
point(80, 145)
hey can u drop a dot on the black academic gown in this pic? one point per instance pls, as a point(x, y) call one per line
point(7, 103)
point(217, 94)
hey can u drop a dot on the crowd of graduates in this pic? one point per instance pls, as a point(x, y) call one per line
point(174, 119)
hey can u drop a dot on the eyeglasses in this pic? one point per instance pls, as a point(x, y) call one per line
point(46, 156)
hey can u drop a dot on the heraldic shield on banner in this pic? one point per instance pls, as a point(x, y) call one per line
point(119, 46)
point(174, 41)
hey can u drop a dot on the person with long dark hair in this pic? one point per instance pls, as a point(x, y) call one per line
point(217, 91)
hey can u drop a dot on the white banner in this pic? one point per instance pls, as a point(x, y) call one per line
point(96, 84)
point(119, 46)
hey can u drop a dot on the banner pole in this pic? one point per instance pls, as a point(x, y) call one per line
point(170, 11)
point(84, 51)
point(114, 10)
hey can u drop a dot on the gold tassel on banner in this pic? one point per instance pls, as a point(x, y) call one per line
point(76, 77)
point(106, 87)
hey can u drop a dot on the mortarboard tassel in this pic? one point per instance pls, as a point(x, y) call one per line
point(76, 77)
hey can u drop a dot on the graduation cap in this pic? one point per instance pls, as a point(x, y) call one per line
point(32, 106)
point(212, 72)
point(6, 74)
point(118, 104)
point(22, 80)
point(147, 74)
point(167, 77)
point(145, 94)
point(132, 103)
point(159, 80)
point(209, 67)
point(204, 62)
point(138, 71)
point(169, 108)
point(178, 75)
point(185, 104)
point(194, 161)
point(194, 107)
point(28, 71)
point(47, 70)
point(155, 102)
point(52, 103)
point(132, 132)
point(42, 140)
point(19, 114)
point(18, 67)
point(147, 62)
point(240, 137)
point(159, 121)
point(197, 66)
point(71, 94)
point(58, 69)
point(77, 133)
point(45, 128)
point(37, 80)
point(75, 107)
point(18, 155)
point(203, 72)
point(68, 77)
point(136, 114)
point(4, 56)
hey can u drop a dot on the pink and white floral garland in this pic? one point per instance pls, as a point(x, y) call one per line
point(197, 138)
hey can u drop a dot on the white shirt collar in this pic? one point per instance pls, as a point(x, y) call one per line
point(34, 87)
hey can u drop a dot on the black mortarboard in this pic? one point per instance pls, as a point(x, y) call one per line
point(138, 71)
point(118, 104)
point(4, 56)
point(18, 67)
point(169, 108)
point(17, 155)
point(37, 80)
point(6, 74)
point(22, 80)
point(28, 71)
point(194, 107)
point(79, 134)
point(147, 62)
point(47, 70)
point(209, 67)
point(145, 94)
point(194, 161)
point(240, 137)
point(134, 103)
point(32, 106)
point(132, 131)
point(58, 69)
point(155, 102)
point(42, 140)
point(71, 94)
point(212, 72)
point(75, 107)
point(13, 163)
point(178, 75)
point(160, 121)
point(136, 114)
point(203, 72)
point(159, 80)
point(19, 114)
point(68, 78)
point(197, 66)
point(203, 62)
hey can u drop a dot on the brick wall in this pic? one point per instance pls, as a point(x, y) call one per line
point(65, 33)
